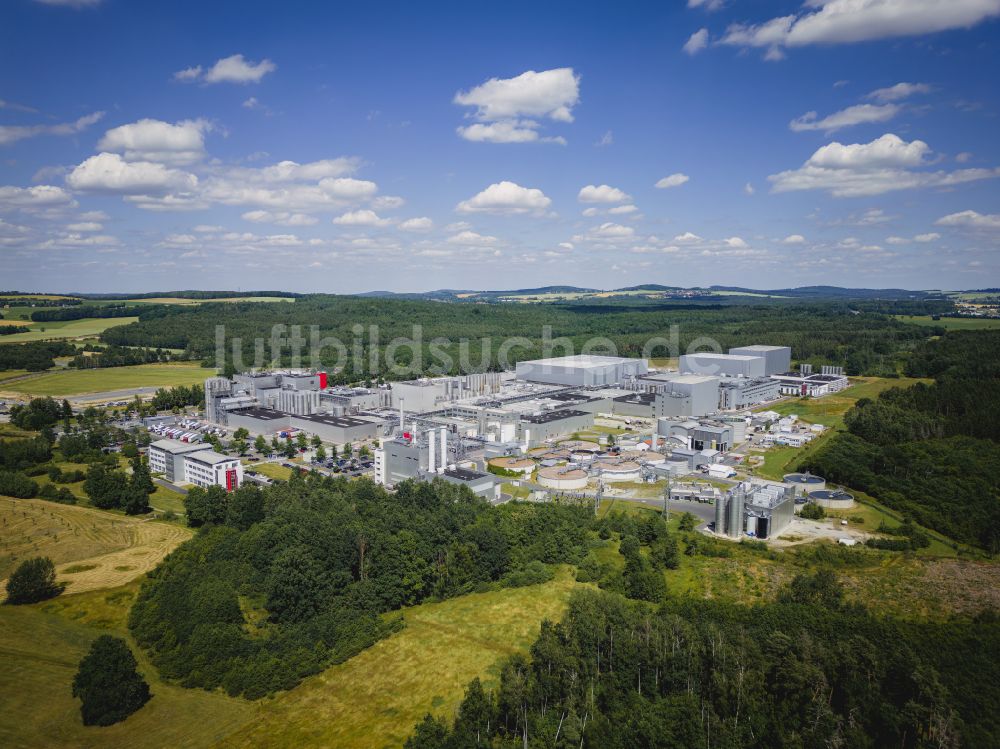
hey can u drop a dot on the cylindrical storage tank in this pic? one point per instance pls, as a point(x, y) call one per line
point(805, 482)
point(653, 458)
point(720, 514)
point(565, 478)
point(832, 499)
point(524, 466)
point(734, 525)
point(613, 471)
point(581, 457)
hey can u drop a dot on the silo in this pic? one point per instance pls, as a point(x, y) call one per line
point(720, 513)
point(734, 527)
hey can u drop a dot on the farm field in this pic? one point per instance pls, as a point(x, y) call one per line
point(91, 549)
point(82, 381)
point(375, 698)
point(88, 326)
point(952, 323)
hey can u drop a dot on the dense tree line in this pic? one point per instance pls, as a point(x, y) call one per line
point(111, 489)
point(193, 294)
point(804, 671)
point(931, 451)
point(166, 399)
point(39, 413)
point(829, 333)
point(82, 311)
point(118, 356)
point(281, 581)
point(34, 357)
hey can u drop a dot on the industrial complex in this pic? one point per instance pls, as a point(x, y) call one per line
point(549, 426)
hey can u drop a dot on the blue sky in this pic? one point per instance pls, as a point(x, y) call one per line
point(411, 146)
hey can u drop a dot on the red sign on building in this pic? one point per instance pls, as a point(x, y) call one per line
point(231, 481)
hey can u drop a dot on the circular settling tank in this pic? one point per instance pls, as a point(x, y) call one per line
point(612, 471)
point(832, 499)
point(805, 482)
point(518, 465)
point(562, 477)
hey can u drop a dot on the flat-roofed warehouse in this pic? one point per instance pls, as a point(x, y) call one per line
point(722, 365)
point(537, 428)
point(777, 359)
point(583, 370)
point(330, 428)
point(338, 429)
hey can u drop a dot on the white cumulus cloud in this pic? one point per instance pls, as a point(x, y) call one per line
point(508, 109)
point(506, 198)
point(971, 220)
point(363, 217)
point(421, 223)
point(602, 194)
point(550, 93)
point(885, 164)
point(232, 69)
point(154, 140)
point(110, 173)
point(794, 239)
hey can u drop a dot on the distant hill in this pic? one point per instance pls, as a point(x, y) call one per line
point(660, 291)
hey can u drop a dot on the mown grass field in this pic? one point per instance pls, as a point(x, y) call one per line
point(375, 698)
point(88, 326)
point(830, 409)
point(952, 323)
point(40, 649)
point(114, 549)
point(82, 381)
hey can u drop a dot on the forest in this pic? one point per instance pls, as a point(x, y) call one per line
point(865, 342)
point(931, 451)
point(806, 670)
point(34, 357)
point(282, 581)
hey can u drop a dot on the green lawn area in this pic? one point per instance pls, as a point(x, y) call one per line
point(165, 499)
point(41, 647)
point(66, 329)
point(271, 470)
point(952, 323)
point(830, 409)
point(78, 382)
point(10, 374)
point(375, 698)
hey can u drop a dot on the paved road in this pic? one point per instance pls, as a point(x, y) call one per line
point(171, 487)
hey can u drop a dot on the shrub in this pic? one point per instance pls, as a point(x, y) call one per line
point(34, 580)
point(108, 684)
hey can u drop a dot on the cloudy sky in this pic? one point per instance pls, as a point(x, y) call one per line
point(414, 146)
